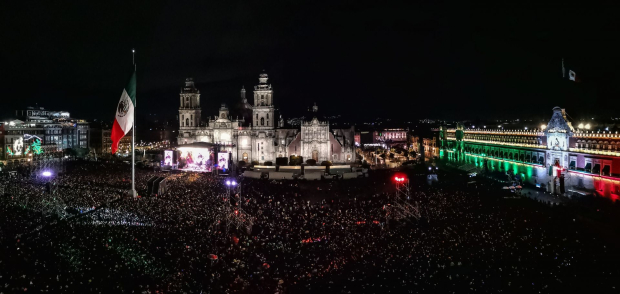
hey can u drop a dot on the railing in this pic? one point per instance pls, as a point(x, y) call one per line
point(599, 152)
point(500, 132)
point(506, 143)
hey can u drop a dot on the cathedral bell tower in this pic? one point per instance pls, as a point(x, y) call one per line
point(263, 111)
point(243, 100)
point(189, 109)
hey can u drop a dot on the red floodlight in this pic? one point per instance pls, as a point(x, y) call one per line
point(399, 178)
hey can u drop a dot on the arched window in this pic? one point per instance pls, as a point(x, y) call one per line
point(262, 121)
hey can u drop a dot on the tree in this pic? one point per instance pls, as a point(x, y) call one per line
point(296, 160)
point(255, 162)
point(383, 156)
point(326, 163)
point(391, 155)
point(311, 162)
point(268, 163)
point(281, 161)
point(241, 164)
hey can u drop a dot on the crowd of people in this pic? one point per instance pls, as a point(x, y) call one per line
point(262, 236)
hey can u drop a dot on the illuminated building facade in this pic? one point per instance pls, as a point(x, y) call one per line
point(39, 132)
point(394, 136)
point(259, 135)
point(554, 155)
point(101, 142)
point(426, 144)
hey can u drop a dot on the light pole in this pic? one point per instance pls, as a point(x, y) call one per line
point(230, 184)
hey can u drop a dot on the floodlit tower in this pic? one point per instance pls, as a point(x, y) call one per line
point(189, 109)
point(263, 111)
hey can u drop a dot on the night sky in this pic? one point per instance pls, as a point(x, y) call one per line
point(404, 60)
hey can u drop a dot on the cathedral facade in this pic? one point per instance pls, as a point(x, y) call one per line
point(258, 135)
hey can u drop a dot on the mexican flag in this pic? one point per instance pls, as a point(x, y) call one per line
point(124, 113)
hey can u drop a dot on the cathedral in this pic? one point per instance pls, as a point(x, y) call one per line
point(258, 135)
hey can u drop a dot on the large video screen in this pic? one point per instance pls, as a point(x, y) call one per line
point(195, 159)
point(168, 157)
point(222, 160)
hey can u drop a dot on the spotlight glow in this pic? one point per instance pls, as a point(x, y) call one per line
point(47, 174)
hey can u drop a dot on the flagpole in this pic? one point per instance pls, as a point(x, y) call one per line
point(563, 70)
point(133, 137)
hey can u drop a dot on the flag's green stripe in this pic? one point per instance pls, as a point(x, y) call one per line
point(131, 89)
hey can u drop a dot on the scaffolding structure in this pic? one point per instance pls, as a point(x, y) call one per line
point(54, 206)
point(401, 207)
point(230, 212)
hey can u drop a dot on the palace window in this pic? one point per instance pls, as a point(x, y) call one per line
point(262, 121)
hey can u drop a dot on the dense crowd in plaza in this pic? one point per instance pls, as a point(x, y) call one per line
point(299, 237)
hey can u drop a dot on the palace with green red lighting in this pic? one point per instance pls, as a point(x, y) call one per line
point(556, 157)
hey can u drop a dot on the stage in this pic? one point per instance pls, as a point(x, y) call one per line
point(201, 157)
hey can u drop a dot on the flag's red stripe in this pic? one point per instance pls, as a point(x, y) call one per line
point(117, 135)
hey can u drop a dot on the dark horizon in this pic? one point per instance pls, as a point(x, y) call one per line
point(403, 61)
